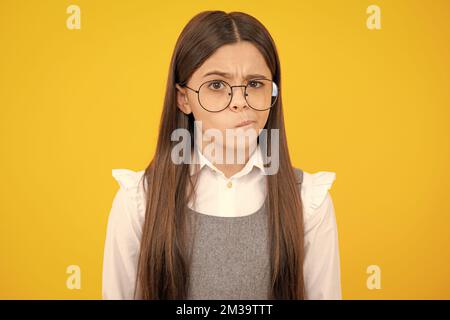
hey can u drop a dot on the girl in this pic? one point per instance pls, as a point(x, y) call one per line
point(205, 229)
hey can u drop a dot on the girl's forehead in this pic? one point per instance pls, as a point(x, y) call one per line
point(237, 54)
point(232, 62)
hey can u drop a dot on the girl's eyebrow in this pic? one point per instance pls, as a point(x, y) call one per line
point(228, 76)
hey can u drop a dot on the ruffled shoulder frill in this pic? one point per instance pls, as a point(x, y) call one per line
point(314, 189)
point(132, 187)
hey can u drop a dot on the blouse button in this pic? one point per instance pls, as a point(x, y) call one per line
point(229, 184)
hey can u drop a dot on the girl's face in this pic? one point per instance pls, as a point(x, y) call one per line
point(237, 62)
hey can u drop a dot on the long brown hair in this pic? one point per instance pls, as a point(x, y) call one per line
point(163, 266)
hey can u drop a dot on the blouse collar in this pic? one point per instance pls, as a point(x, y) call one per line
point(255, 160)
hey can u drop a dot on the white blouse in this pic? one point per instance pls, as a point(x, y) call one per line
point(241, 194)
point(216, 195)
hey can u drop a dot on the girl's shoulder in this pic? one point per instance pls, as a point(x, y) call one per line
point(314, 189)
point(131, 195)
point(128, 179)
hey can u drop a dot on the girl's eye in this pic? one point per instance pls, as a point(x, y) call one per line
point(255, 84)
point(216, 85)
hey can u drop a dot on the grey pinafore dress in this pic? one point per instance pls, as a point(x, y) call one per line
point(230, 255)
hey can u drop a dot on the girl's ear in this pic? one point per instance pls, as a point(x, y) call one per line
point(182, 100)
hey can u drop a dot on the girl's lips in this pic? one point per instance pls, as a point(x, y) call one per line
point(245, 123)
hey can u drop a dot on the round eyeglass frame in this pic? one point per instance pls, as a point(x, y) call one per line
point(231, 95)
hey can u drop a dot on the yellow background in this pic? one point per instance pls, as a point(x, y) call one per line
point(370, 105)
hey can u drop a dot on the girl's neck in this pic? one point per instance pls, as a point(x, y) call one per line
point(230, 169)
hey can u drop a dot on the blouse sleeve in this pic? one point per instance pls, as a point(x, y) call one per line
point(123, 233)
point(322, 262)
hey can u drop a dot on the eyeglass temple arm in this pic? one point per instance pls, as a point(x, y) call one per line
point(183, 85)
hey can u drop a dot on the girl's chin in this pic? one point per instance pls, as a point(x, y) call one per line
point(248, 131)
point(241, 145)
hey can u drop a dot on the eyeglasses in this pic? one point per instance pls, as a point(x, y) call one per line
point(216, 95)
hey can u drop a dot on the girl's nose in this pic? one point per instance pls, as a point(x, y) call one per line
point(238, 100)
